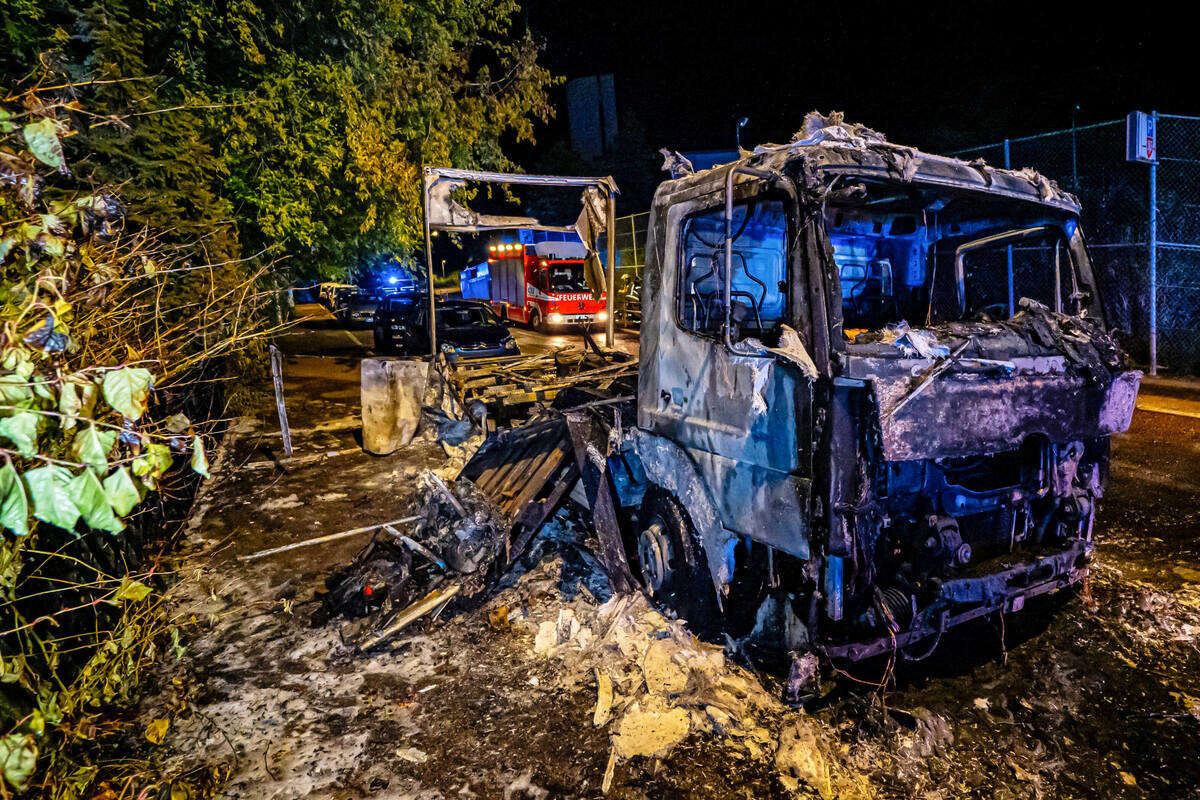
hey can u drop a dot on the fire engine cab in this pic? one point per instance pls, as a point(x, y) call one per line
point(541, 283)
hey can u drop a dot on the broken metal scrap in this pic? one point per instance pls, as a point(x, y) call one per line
point(502, 383)
point(937, 369)
point(431, 602)
point(456, 532)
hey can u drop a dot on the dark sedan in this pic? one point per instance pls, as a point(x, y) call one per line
point(464, 329)
point(357, 308)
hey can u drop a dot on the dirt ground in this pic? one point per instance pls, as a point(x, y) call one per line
point(1095, 694)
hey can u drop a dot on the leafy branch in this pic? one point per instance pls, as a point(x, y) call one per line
point(104, 326)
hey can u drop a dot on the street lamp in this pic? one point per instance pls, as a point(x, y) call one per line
point(737, 131)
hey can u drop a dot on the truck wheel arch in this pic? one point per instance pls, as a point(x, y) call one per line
point(668, 466)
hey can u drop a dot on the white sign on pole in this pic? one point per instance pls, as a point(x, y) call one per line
point(1139, 138)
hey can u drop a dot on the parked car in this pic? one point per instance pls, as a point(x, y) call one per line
point(464, 329)
point(357, 308)
point(329, 293)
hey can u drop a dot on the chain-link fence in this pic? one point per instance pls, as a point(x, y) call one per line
point(1136, 243)
point(630, 242)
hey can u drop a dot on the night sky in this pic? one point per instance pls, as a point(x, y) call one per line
point(938, 76)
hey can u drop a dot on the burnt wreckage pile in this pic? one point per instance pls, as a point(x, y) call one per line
point(874, 401)
point(455, 541)
point(467, 532)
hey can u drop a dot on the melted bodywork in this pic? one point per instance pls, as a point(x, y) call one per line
point(891, 414)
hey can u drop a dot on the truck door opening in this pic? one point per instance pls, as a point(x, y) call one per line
point(758, 287)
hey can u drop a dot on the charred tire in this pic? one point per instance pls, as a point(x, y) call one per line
point(669, 562)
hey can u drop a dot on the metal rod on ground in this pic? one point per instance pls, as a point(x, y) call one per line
point(277, 379)
point(415, 546)
point(445, 490)
point(322, 539)
point(428, 603)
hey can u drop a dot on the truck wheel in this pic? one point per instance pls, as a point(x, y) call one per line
point(670, 562)
point(535, 321)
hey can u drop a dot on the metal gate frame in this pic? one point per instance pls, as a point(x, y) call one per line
point(605, 186)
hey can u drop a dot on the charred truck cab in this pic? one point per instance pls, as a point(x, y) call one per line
point(875, 397)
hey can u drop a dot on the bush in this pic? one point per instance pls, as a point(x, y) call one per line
point(107, 331)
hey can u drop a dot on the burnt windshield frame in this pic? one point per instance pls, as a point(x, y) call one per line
point(1010, 240)
point(860, 213)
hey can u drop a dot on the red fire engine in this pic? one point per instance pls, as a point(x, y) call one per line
point(544, 291)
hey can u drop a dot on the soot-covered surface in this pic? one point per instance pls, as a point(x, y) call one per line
point(1097, 695)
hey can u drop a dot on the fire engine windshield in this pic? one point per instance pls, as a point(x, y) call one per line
point(566, 278)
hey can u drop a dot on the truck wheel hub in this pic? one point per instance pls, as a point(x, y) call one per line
point(655, 556)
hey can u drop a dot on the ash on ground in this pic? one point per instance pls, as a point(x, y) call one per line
point(545, 685)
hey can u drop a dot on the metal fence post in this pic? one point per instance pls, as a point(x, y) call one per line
point(277, 379)
point(1154, 253)
point(433, 342)
point(1012, 306)
point(610, 277)
point(633, 237)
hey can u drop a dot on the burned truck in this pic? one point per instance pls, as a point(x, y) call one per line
point(874, 399)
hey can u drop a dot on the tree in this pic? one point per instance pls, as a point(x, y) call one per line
point(305, 123)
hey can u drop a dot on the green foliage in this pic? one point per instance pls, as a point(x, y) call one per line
point(50, 488)
point(92, 446)
point(14, 504)
point(127, 389)
point(199, 459)
point(41, 138)
point(122, 494)
point(238, 133)
point(21, 430)
point(132, 590)
point(294, 128)
point(18, 755)
point(95, 313)
point(87, 494)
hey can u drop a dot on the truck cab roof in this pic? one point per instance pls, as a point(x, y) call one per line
point(827, 147)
